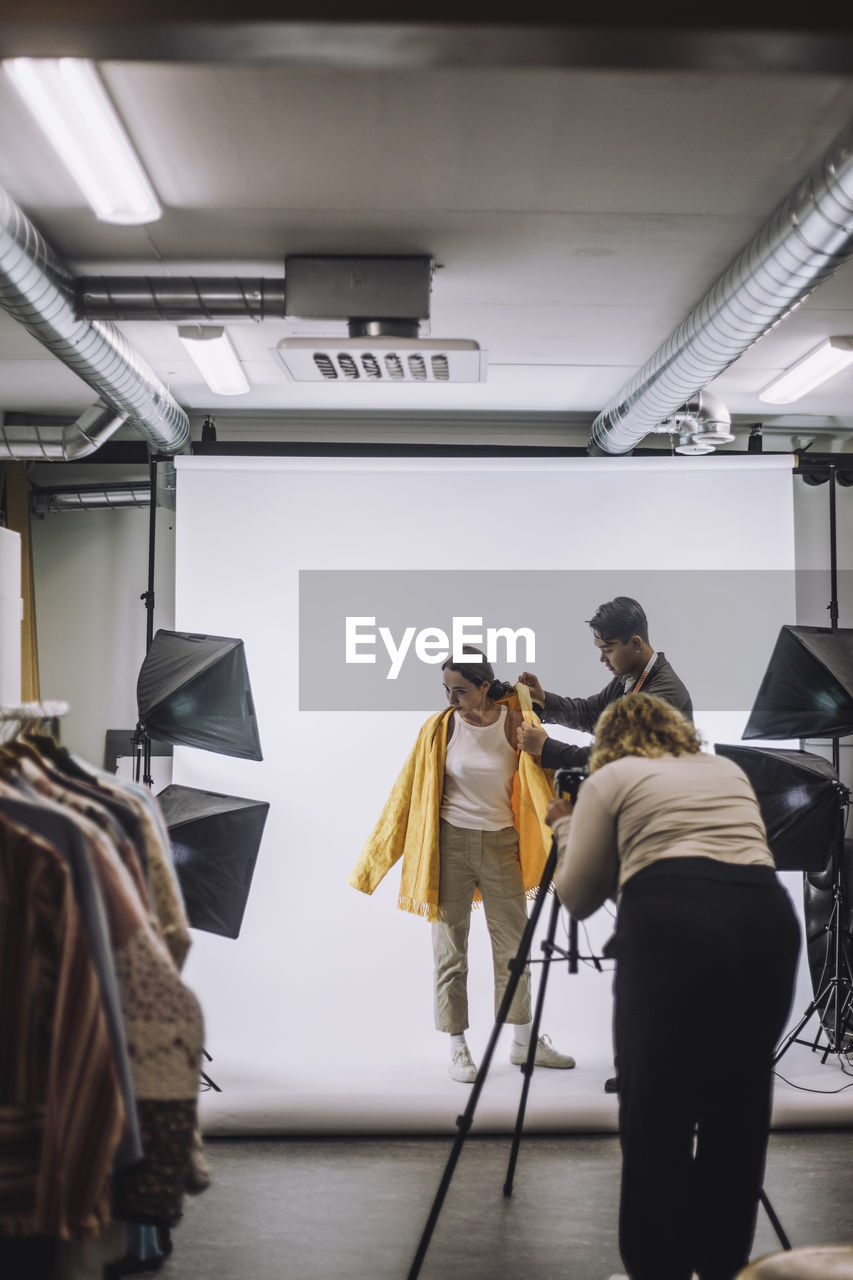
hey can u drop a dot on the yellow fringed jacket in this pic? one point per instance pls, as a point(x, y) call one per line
point(408, 825)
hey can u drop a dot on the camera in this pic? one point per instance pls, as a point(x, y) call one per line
point(567, 781)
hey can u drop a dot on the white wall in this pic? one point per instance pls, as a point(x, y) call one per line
point(91, 568)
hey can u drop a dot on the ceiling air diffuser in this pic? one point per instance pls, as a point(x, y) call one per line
point(382, 360)
point(384, 302)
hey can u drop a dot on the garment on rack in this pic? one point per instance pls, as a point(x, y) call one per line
point(141, 819)
point(162, 1018)
point(121, 906)
point(153, 837)
point(61, 1113)
point(64, 835)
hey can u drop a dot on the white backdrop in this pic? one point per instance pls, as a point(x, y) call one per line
point(325, 982)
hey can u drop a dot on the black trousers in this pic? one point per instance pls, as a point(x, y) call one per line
point(706, 957)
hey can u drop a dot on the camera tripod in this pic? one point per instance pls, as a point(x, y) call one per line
point(517, 966)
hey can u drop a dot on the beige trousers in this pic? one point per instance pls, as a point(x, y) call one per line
point(488, 861)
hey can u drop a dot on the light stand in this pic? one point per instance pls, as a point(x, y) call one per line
point(802, 804)
point(807, 692)
point(141, 737)
point(194, 690)
point(833, 1001)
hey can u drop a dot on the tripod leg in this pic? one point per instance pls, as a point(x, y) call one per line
point(527, 1069)
point(792, 1035)
point(211, 1084)
point(774, 1221)
point(463, 1122)
point(839, 989)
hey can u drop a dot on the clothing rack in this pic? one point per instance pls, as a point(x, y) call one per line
point(14, 719)
point(100, 1055)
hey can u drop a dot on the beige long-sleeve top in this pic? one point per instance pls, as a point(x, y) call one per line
point(635, 811)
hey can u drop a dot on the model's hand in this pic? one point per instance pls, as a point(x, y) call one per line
point(536, 691)
point(559, 808)
point(531, 739)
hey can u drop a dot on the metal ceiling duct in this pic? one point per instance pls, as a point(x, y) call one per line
point(38, 291)
point(178, 298)
point(88, 497)
point(806, 240)
point(66, 443)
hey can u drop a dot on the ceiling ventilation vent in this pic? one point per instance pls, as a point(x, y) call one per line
point(384, 302)
point(390, 360)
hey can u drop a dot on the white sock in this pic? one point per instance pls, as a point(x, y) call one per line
point(521, 1033)
point(457, 1042)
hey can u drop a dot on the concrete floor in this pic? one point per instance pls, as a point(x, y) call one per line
point(305, 1209)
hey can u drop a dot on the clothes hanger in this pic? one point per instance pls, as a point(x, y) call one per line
point(19, 731)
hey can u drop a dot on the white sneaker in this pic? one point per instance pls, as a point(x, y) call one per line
point(546, 1055)
point(462, 1065)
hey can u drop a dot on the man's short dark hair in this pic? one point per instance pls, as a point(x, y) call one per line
point(619, 619)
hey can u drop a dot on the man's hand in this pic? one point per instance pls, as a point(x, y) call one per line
point(536, 691)
point(531, 739)
point(559, 808)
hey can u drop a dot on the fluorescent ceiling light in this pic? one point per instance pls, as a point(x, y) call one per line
point(213, 355)
point(69, 101)
point(833, 355)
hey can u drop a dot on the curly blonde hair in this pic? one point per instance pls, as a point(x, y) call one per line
point(642, 725)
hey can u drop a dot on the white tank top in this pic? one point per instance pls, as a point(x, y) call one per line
point(478, 773)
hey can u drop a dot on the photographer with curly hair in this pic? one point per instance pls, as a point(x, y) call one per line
point(706, 949)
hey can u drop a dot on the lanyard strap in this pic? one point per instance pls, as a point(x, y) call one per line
point(642, 680)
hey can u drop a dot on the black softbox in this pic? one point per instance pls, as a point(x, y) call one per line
point(807, 690)
point(194, 690)
point(800, 801)
point(215, 843)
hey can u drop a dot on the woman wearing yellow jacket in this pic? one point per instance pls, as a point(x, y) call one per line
point(467, 817)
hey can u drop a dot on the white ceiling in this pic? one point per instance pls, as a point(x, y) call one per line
point(575, 216)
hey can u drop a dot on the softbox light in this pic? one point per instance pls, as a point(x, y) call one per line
point(215, 843)
point(194, 690)
point(800, 801)
point(807, 690)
